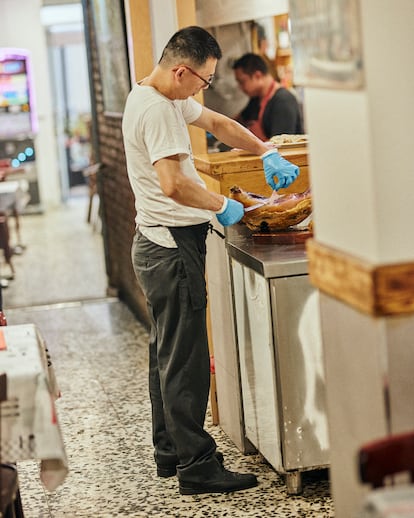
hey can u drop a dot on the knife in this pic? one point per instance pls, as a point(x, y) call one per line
point(253, 207)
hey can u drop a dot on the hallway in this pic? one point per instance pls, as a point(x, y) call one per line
point(99, 352)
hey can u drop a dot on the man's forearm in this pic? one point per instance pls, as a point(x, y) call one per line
point(233, 134)
point(189, 193)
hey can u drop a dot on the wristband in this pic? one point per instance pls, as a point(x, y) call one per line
point(269, 152)
point(223, 207)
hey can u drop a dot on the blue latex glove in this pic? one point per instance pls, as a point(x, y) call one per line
point(230, 213)
point(275, 165)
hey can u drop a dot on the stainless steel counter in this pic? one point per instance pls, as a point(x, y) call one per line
point(269, 260)
point(280, 354)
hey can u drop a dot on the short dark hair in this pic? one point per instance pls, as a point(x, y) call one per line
point(250, 63)
point(193, 45)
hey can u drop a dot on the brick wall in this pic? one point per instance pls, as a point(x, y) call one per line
point(116, 198)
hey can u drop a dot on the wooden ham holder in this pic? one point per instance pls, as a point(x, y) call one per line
point(221, 171)
point(282, 237)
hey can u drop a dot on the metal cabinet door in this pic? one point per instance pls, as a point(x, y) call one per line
point(257, 363)
point(300, 373)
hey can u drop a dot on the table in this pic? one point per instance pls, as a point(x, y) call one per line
point(29, 422)
point(13, 196)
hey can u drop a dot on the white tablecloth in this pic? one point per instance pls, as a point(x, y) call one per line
point(29, 423)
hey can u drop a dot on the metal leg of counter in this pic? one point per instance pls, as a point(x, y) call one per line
point(294, 483)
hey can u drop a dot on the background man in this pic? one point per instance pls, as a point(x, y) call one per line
point(272, 109)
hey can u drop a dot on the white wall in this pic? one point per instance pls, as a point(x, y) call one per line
point(20, 27)
point(226, 96)
point(211, 13)
point(163, 24)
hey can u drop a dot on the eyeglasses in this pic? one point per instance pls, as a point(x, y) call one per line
point(207, 82)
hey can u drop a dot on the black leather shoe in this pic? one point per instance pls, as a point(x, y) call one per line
point(166, 470)
point(222, 482)
point(170, 470)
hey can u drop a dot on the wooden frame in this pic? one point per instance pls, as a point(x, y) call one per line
point(376, 290)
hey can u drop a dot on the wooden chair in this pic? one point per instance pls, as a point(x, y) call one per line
point(380, 459)
point(6, 170)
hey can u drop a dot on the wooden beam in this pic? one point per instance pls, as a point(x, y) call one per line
point(140, 41)
point(376, 290)
point(186, 13)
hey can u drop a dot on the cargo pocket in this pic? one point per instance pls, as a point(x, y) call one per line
point(191, 246)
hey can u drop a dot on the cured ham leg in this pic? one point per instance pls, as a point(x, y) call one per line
point(275, 213)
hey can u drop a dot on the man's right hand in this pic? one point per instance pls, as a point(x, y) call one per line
point(231, 212)
point(275, 165)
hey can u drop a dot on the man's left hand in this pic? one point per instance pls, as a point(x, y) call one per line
point(276, 165)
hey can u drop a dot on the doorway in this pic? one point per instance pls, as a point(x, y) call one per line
point(71, 94)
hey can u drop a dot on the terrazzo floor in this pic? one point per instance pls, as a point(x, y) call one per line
point(99, 353)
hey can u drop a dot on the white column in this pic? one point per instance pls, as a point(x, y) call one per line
point(163, 24)
point(363, 183)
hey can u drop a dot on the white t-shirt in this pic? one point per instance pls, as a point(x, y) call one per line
point(155, 127)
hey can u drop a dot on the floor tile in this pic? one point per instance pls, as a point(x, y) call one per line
point(100, 354)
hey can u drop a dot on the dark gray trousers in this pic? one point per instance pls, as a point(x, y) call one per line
point(179, 365)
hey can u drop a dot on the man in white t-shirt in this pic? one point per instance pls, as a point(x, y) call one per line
point(174, 209)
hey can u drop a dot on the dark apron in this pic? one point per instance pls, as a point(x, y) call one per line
point(191, 244)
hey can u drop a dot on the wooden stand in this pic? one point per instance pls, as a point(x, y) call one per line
point(221, 171)
point(286, 237)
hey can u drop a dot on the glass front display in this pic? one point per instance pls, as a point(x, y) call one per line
point(17, 115)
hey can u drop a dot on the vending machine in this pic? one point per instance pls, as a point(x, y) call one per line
point(18, 119)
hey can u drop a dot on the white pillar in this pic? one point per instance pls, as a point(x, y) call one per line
point(363, 183)
point(163, 24)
